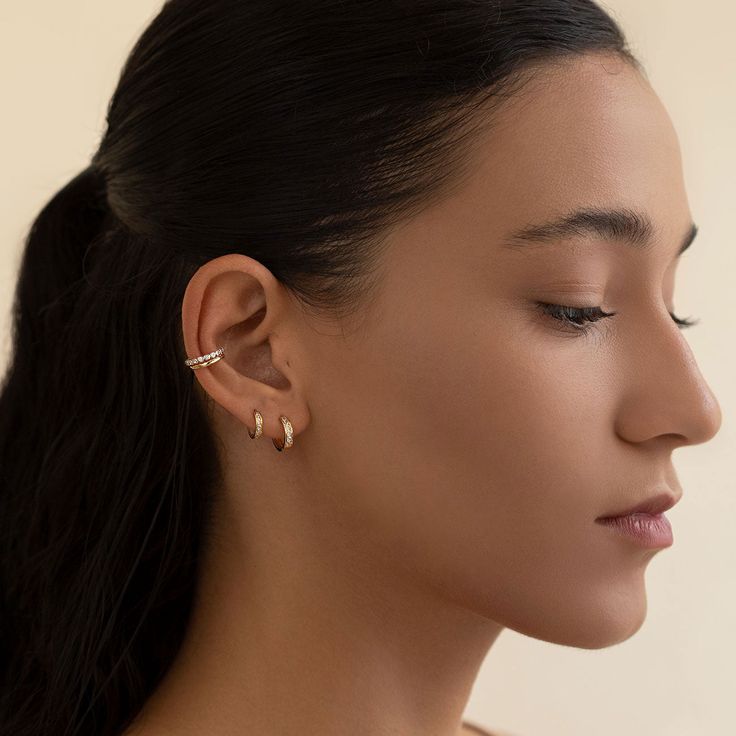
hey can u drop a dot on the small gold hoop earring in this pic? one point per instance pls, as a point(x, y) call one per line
point(204, 360)
point(288, 440)
point(259, 425)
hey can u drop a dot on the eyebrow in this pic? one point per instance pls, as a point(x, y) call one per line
point(633, 228)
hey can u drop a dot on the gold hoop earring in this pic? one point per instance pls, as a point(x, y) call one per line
point(288, 440)
point(204, 360)
point(259, 425)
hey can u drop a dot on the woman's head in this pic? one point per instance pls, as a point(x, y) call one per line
point(330, 190)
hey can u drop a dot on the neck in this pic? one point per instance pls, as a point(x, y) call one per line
point(299, 634)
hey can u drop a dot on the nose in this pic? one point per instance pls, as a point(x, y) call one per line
point(665, 393)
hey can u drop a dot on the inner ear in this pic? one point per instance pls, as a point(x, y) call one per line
point(254, 361)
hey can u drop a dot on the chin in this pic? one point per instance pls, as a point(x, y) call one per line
point(586, 623)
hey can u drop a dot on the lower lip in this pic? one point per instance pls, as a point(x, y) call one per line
point(648, 530)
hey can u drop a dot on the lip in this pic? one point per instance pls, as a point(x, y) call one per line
point(646, 530)
point(653, 505)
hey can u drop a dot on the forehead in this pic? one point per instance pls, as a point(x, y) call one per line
point(587, 131)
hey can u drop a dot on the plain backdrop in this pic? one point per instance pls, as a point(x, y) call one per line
point(59, 63)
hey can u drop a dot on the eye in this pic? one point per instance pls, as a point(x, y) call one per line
point(582, 318)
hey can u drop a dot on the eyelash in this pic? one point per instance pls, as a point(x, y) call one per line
point(581, 319)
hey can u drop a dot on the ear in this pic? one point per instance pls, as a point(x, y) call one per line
point(234, 302)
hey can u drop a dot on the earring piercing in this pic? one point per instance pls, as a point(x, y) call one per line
point(288, 440)
point(204, 360)
point(259, 425)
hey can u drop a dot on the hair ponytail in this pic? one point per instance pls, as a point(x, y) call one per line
point(100, 510)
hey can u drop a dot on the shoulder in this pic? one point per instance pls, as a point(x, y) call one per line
point(470, 729)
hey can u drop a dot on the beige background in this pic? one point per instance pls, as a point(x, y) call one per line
point(59, 64)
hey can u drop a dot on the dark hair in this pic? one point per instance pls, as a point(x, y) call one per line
point(293, 132)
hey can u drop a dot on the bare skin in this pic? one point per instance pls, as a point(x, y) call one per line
point(452, 454)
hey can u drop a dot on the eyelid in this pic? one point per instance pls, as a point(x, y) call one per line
point(580, 287)
point(583, 319)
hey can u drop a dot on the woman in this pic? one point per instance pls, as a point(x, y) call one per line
point(337, 361)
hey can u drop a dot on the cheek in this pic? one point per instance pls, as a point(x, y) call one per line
point(508, 426)
point(536, 460)
point(477, 456)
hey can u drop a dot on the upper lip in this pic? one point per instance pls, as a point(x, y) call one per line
point(655, 504)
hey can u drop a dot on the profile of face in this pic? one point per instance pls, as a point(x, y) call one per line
point(462, 440)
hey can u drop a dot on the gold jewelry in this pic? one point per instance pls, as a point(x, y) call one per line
point(288, 440)
point(259, 425)
point(204, 360)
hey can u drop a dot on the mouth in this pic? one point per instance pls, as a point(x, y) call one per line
point(644, 523)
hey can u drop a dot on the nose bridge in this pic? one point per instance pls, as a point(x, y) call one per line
point(667, 392)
